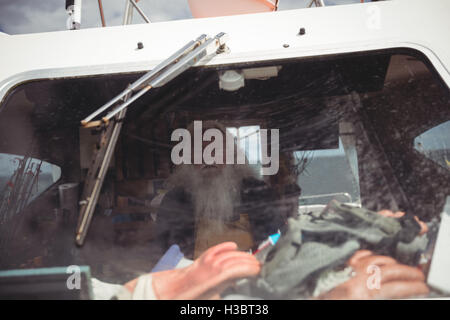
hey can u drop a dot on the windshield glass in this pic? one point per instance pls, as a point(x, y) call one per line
point(23, 179)
point(434, 144)
point(234, 153)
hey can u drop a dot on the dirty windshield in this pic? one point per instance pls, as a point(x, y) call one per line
point(301, 163)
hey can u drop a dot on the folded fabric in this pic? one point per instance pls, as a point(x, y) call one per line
point(322, 242)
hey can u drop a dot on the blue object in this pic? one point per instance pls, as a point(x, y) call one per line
point(169, 260)
point(274, 238)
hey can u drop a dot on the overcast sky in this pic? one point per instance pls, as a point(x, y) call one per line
point(28, 16)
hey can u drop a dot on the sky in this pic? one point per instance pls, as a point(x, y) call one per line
point(30, 16)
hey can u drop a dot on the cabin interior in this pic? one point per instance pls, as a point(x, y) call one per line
point(356, 126)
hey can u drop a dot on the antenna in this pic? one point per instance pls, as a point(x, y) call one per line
point(128, 16)
point(73, 9)
point(102, 16)
point(317, 3)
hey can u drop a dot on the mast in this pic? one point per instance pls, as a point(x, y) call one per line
point(73, 9)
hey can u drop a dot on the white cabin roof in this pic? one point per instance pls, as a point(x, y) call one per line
point(417, 24)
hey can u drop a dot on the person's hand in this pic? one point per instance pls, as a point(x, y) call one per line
point(209, 275)
point(379, 277)
point(399, 214)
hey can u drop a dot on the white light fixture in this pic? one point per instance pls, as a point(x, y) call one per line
point(231, 80)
